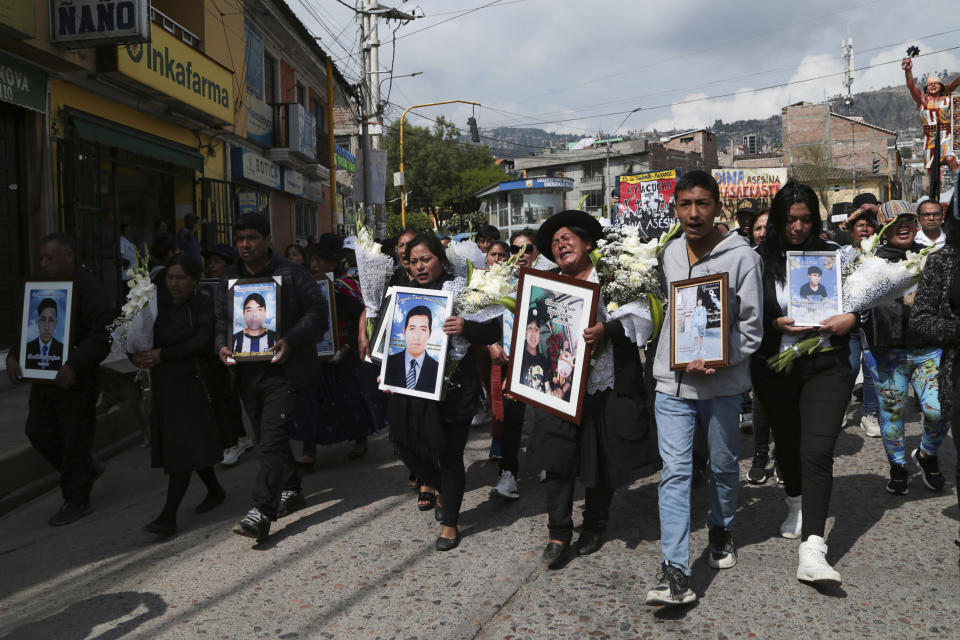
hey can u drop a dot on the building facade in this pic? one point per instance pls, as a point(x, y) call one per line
point(518, 204)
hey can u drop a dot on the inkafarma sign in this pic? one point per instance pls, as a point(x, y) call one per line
point(181, 72)
point(88, 23)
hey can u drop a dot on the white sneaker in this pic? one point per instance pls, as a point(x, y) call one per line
point(507, 487)
point(746, 420)
point(231, 455)
point(813, 565)
point(245, 444)
point(791, 526)
point(870, 425)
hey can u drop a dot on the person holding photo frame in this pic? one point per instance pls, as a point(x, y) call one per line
point(269, 388)
point(705, 391)
point(62, 416)
point(430, 435)
point(612, 443)
point(807, 403)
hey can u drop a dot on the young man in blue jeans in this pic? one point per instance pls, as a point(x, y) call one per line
point(701, 394)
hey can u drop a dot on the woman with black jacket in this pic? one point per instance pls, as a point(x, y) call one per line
point(183, 425)
point(806, 405)
point(430, 435)
point(936, 317)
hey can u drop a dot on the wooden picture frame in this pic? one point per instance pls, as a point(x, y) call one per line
point(47, 318)
point(807, 306)
point(420, 336)
point(700, 321)
point(551, 375)
point(329, 343)
point(247, 348)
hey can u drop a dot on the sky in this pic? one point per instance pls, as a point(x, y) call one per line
point(584, 66)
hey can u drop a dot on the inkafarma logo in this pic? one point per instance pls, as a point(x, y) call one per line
point(135, 51)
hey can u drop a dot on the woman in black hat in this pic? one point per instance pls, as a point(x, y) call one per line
point(613, 442)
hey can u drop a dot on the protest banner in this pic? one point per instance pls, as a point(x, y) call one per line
point(737, 184)
point(646, 201)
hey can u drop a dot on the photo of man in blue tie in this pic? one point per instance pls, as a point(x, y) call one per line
point(413, 368)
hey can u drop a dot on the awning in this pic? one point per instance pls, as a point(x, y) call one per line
point(111, 134)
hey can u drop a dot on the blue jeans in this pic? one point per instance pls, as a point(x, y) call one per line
point(871, 403)
point(677, 420)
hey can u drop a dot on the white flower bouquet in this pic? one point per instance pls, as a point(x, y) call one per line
point(868, 281)
point(628, 273)
point(374, 269)
point(464, 256)
point(132, 331)
point(488, 290)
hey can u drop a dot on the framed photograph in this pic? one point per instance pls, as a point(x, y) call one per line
point(416, 344)
point(329, 342)
point(813, 282)
point(45, 328)
point(700, 322)
point(549, 363)
point(378, 348)
point(507, 320)
point(255, 317)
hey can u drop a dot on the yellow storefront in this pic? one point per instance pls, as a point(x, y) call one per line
point(136, 153)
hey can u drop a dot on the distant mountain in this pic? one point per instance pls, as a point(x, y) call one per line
point(891, 108)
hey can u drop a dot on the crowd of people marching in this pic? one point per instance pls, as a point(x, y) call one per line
point(639, 414)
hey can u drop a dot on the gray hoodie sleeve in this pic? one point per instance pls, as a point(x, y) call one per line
point(750, 303)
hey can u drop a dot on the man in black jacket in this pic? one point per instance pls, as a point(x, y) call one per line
point(269, 389)
point(62, 416)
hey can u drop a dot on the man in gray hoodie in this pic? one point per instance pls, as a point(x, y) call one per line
point(708, 396)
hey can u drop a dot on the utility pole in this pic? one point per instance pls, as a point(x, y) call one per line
point(847, 46)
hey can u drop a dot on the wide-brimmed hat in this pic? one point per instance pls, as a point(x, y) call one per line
point(865, 198)
point(890, 211)
point(569, 218)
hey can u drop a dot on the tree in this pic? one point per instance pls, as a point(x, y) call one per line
point(459, 196)
point(415, 220)
point(433, 161)
point(815, 168)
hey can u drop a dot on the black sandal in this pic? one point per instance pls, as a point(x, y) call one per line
point(426, 500)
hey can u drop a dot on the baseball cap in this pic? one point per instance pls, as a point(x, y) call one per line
point(865, 198)
point(350, 243)
point(890, 211)
point(748, 206)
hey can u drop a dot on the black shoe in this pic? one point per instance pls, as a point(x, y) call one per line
point(899, 480)
point(758, 470)
point(426, 500)
point(254, 525)
point(672, 588)
point(446, 544)
point(291, 501)
point(556, 555)
point(70, 512)
point(437, 511)
point(929, 469)
point(587, 543)
point(212, 500)
point(161, 528)
point(723, 553)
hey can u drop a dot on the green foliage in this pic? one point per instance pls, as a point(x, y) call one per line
point(416, 219)
point(435, 165)
point(464, 223)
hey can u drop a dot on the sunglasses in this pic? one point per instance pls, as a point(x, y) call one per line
point(526, 248)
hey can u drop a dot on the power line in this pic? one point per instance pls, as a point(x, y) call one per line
point(459, 15)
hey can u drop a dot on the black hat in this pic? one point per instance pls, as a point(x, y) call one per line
point(329, 247)
point(815, 269)
point(865, 198)
point(748, 206)
point(571, 217)
point(225, 251)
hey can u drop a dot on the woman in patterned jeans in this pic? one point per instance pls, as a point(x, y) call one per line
point(936, 316)
point(902, 360)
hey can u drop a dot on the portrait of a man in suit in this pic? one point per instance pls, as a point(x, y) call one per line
point(255, 337)
point(45, 352)
point(413, 368)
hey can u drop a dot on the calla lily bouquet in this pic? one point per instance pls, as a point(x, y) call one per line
point(132, 331)
point(494, 288)
point(374, 269)
point(628, 271)
point(868, 281)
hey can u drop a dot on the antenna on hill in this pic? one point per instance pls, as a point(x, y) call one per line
point(847, 70)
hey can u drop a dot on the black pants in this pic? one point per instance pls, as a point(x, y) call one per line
point(806, 408)
point(560, 508)
point(512, 431)
point(60, 426)
point(955, 434)
point(761, 429)
point(270, 403)
point(446, 474)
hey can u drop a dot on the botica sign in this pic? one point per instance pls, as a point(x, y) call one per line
point(252, 166)
point(89, 23)
point(181, 72)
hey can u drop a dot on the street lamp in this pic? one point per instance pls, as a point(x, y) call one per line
point(403, 182)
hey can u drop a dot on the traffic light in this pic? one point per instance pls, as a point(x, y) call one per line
point(474, 132)
point(876, 165)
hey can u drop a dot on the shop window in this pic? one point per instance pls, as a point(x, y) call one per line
point(594, 199)
point(306, 221)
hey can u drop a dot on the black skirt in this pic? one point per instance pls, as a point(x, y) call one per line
point(184, 433)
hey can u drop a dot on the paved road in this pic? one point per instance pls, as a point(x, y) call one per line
point(359, 563)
